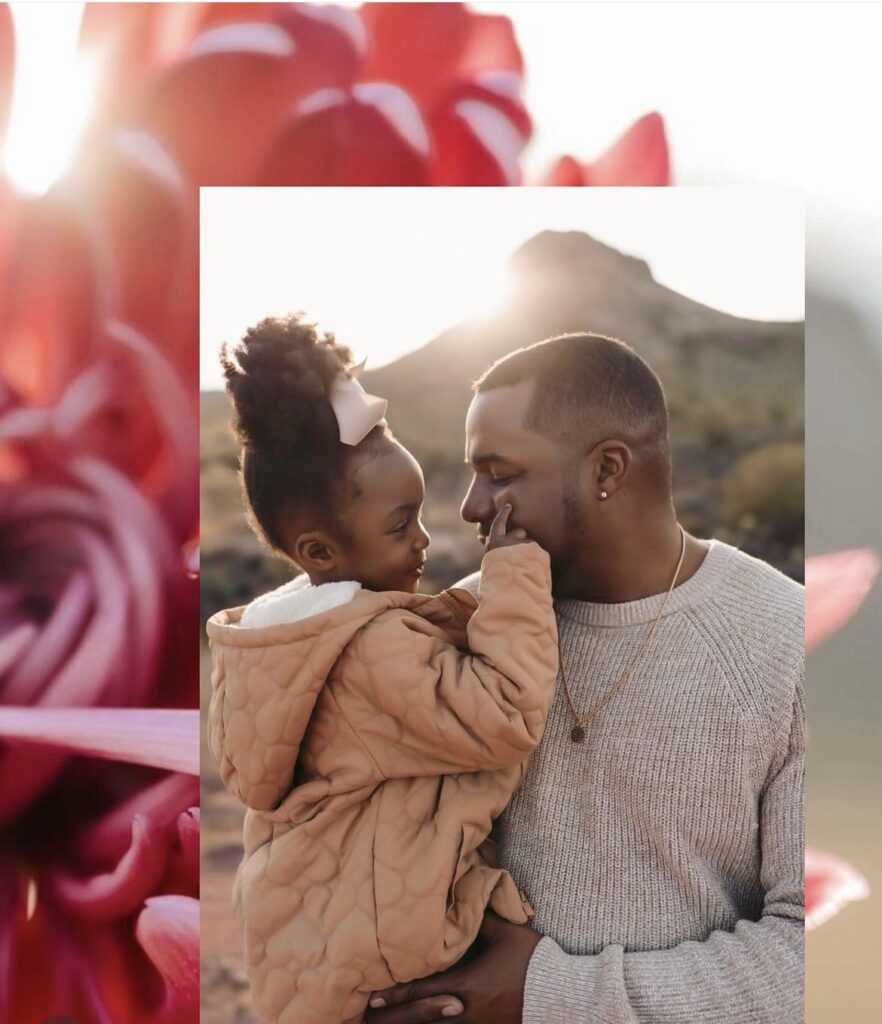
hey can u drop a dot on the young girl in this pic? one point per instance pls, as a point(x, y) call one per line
point(373, 732)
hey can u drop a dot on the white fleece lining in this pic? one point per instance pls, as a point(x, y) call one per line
point(296, 600)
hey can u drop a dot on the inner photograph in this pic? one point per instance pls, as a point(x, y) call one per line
point(502, 607)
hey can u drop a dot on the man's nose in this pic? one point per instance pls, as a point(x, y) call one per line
point(476, 506)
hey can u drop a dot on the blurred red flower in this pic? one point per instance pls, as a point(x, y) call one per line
point(97, 612)
point(830, 883)
point(313, 94)
point(99, 433)
point(309, 94)
point(835, 585)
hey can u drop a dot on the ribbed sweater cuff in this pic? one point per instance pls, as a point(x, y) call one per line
point(564, 989)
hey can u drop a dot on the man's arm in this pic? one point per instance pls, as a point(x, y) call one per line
point(754, 973)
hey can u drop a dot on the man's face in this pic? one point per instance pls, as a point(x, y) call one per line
point(512, 463)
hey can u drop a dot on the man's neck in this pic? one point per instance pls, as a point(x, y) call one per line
point(631, 565)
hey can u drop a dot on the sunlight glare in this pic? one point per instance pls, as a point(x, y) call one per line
point(479, 294)
point(54, 88)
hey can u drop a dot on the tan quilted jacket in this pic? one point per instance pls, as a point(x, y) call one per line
point(362, 866)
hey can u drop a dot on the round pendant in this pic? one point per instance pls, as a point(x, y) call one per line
point(578, 734)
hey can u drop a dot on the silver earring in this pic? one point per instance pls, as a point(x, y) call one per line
point(603, 494)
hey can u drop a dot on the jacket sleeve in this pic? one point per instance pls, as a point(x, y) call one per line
point(753, 973)
point(424, 707)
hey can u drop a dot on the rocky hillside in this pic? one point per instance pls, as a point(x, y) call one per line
point(734, 389)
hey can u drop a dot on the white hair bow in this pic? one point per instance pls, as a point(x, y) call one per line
point(357, 412)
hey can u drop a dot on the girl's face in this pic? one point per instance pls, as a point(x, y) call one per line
point(387, 541)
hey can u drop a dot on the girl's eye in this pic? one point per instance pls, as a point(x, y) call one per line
point(401, 527)
point(501, 480)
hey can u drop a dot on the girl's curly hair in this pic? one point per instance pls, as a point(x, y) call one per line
point(279, 377)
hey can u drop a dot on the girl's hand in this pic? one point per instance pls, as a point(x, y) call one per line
point(498, 537)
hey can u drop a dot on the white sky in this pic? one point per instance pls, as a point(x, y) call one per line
point(388, 269)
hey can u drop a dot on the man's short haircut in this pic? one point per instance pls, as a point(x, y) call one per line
point(589, 387)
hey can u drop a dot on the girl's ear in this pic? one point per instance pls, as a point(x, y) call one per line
point(316, 552)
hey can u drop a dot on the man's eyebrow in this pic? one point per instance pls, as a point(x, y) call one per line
point(483, 460)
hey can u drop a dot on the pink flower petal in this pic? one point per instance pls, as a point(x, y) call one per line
point(191, 559)
point(134, 411)
point(333, 38)
point(479, 132)
point(639, 157)
point(370, 135)
point(33, 668)
point(14, 645)
point(144, 550)
point(162, 738)
point(177, 420)
point(112, 895)
point(99, 656)
point(238, 81)
point(566, 172)
point(188, 833)
point(830, 883)
point(230, 13)
point(492, 45)
point(168, 929)
point(835, 586)
point(164, 803)
point(130, 41)
point(183, 864)
point(135, 189)
point(52, 298)
point(425, 47)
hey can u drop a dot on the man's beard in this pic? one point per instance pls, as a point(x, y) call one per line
point(573, 530)
point(572, 509)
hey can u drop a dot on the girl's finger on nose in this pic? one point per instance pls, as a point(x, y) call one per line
point(500, 523)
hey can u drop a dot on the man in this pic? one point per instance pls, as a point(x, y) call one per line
point(658, 832)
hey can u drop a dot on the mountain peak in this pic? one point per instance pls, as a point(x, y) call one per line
point(574, 252)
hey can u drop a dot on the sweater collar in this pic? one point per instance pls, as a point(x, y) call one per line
point(700, 586)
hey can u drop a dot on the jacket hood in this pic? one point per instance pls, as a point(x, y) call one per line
point(295, 601)
point(270, 660)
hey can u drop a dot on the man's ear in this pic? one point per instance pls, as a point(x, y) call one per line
point(610, 462)
point(316, 552)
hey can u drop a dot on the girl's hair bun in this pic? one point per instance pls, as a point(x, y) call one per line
point(279, 377)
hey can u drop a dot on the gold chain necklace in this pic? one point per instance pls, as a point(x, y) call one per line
point(577, 734)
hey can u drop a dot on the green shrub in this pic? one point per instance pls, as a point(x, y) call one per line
point(764, 494)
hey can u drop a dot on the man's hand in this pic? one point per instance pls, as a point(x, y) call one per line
point(489, 989)
point(498, 538)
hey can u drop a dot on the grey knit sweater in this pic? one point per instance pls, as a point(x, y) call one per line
point(664, 855)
